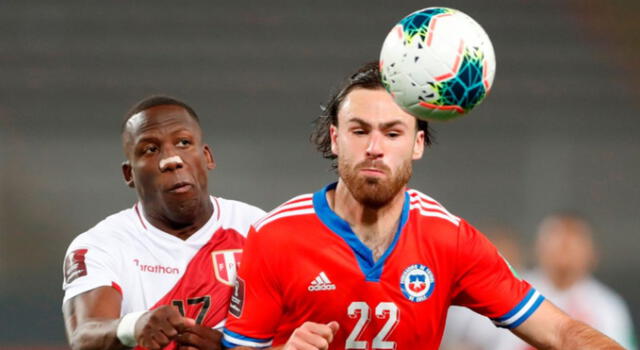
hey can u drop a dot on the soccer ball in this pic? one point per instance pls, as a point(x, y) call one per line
point(437, 63)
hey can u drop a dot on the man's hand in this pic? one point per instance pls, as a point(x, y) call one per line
point(198, 337)
point(312, 336)
point(156, 328)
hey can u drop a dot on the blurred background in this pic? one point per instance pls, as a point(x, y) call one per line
point(559, 130)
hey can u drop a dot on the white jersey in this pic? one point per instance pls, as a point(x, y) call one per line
point(589, 301)
point(150, 267)
point(593, 303)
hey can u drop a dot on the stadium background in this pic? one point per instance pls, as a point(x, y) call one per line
point(558, 131)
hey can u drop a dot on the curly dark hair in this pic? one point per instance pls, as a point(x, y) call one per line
point(367, 77)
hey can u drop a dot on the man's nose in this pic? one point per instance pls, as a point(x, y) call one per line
point(374, 148)
point(170, 163)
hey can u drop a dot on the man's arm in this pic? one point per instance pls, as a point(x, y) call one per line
point(550, 328)
point(92, 318)
point(309, 336)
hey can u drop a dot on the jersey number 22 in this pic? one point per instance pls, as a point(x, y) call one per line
point(361, 309)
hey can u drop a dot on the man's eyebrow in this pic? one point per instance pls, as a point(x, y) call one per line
point(144, 139)
point(359, 121)
point(386, 125)
point(391, 124)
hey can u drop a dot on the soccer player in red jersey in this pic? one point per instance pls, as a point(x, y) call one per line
point(159, 274)
point(366, 263)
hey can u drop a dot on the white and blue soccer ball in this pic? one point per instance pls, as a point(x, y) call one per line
point(438, 63)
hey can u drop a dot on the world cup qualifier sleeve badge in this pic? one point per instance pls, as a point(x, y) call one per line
point(417, 283)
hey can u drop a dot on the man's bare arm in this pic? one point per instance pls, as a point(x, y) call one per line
point(550, 328)
point(91, 319)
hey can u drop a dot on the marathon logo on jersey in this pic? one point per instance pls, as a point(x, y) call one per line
point(417, 283)
point(165, 270)
point(237, 298)
point(74, 265)
point(225, 265)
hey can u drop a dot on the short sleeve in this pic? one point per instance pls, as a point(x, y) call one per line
point(87, 265)
point(486, 283)
point(256, 303)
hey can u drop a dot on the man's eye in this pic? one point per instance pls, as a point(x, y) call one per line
point(150, 149)
point(184, 142)
point(359, 132)
point(393, 134)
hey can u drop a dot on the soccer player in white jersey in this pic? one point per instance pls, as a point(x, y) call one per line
point(566, 257)
point(159, 274)
point(366, 263)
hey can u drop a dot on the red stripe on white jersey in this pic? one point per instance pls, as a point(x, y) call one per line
point(139, 216)
point(116, 287)
point(216, 207)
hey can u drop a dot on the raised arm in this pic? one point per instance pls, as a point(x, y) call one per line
point(550, 328)
point(92, 319)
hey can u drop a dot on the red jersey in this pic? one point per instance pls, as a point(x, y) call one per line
point(302, 262)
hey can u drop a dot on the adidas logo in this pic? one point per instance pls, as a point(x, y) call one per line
point(321, 282)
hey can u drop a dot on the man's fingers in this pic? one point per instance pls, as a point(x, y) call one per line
point(175, 318)
point(188, 322)
point(326, 331)
point(313, 336)
point(334, 327)
point(188, 338)
point(200, 337)
point(160, 339)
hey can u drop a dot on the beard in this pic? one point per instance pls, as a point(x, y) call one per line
point(374, 192)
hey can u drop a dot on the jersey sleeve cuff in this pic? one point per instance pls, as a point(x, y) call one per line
point(76, 289)
point(231, 339)
point(520, 312)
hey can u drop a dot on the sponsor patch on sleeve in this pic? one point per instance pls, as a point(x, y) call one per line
point(74, 265)
point(237, 298)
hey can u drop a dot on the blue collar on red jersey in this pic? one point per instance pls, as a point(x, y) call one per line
point(372, 270)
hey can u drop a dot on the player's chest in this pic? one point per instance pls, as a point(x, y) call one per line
point(182, 270)
point(411, 278)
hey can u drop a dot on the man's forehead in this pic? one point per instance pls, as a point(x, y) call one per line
point(161, 116)
point(373, 106)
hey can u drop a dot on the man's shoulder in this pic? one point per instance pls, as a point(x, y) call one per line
point(424, 207)
point(287, 213)
point(111, 230)
point(238, 207)
point(236, 215)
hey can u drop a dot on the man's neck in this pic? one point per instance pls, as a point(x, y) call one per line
point(185, 227)
point(375, 227)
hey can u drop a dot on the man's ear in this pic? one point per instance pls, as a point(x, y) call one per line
point(418, 146)
point(333, 134)
point(127, 172)
point(208, 154)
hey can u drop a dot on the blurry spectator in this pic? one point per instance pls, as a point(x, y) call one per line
point(566, 256)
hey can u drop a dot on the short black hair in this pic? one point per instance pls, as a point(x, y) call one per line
point(157, 100)
point(368, 77)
